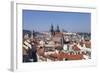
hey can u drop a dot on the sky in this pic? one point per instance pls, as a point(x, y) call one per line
point(69, 21)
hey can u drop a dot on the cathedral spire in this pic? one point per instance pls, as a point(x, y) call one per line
point(58, 30)
point(52, 29)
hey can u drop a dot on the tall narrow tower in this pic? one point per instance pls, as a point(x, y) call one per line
point(58, 30)
point(52, 30)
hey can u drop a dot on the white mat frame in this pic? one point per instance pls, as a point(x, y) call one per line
point(16, 21)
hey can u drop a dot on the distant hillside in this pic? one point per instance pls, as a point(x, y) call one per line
point(30, 32)
point(27, 32)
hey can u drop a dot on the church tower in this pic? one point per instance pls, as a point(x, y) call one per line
point(57, 30)
point(52, 30)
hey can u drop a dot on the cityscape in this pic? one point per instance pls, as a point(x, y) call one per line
point(55, 42)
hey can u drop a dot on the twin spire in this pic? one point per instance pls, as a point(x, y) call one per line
point(53, 31)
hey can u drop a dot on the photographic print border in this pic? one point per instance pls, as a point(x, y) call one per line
point(16, 21)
